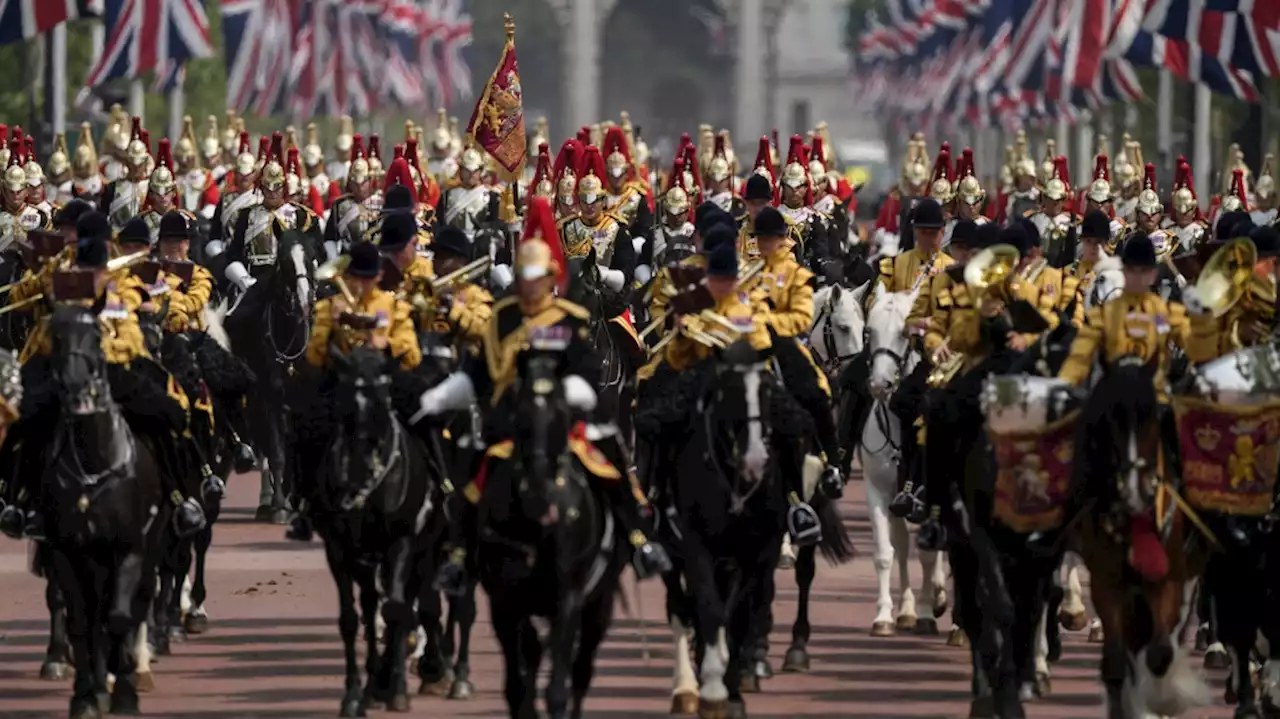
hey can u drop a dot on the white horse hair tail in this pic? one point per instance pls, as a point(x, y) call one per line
point(213, 321)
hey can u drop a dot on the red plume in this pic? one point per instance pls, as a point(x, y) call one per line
point(17, 135)
point(941, 167)
point(676, 178)
point(1101, 168)
point(569, 158)
point(4, 134)
point(15, 153)
point(946, 147)
point(691, 165)
point(542, 171)
point(397, 152)
point(264, 148)
point(540, 224)
point(398, 174)
point(277, 148)
point(795, 153)
point(293, 164)
point(411, 153)
point(136, 133)
point(1149, 181)
point(244, 142)
point(164, 158)
point(719, 147)
point(30, 154)
point(145, 136)
point(1188, 179)
point(966, 158)
point(765, 159)
point(818, 152)
point(375, 148)
point(584, 135)
point(1237, 187)
point(592, 164)
point(357, 147)
point(1063, 174)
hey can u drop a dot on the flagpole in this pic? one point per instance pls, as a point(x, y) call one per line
point(1164, 119)
point(1201, 160)
point(177, 104)
point(137, 98)
point(57, 78)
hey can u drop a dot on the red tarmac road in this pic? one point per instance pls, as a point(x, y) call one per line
point(273, 648)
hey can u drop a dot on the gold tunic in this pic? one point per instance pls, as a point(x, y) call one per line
point(682, 352)
point(909, 270)
point(1213, 337)
point(1140, 325)
point(122, 340)
point(393, 322)
point(188, 300)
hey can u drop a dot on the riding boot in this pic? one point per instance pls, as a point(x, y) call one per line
point(631, 509)
point(22, 516)
point(462, 515)
point(832, 481)
point(803, 524)
point(906, 405)
point(854, 410)
point(188, 514)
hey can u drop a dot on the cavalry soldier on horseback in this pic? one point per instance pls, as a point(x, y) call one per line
point(361, 314)
point(516, 321)
point(256, 237)
point(1099, 196)
point(1077, 280)
point(786, 291)
point(352, 214)
point(902, 198)
point(197, 191)
point(397, 239)
point(469, 204)
point(463, 308)
point(624, 195)
point(1024, 199)
point(36, 182)
point(151, 399)
point(1137, 326)
point(1187, 223)
point(970, 195)
point(565, 178)
point(720, 181)
point(1055, 225)
point(162, 191)
point(86, 178)
point(238, 193)
point(124, 198)
point(1128, 179)
point(758, 195)
point(674, 233)
point(60, 172)
point(323, 189)
point(808, 227)
point(17, 217)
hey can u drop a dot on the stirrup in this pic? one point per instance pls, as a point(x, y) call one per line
point(803, 525)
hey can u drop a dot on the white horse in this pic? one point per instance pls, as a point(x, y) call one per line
point(892, 359)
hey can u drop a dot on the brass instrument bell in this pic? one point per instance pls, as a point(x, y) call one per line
point(992, 274)
point(1226, 276)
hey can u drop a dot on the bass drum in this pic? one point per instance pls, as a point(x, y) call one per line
point(1023, 404)
point(1249, 376)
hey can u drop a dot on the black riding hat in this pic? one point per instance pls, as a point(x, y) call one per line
point(91, 251)
point(173, 226)
point(397, 230)
point(965, 234)
point(135, 232)
point(927, 215)
point(365, 261)
point(398, 199)
point(1138, 252)
point(94, 225)
point(449, 240)
point(71, 213)
point(723, 261)
point(717, 236)
point(1095, 226)
point(758, 188)
point(770, 223)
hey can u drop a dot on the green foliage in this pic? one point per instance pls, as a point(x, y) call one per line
point(855, 20)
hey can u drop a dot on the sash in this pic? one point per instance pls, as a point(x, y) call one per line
point(471, 202)
point(122, 199)
point(351, 215)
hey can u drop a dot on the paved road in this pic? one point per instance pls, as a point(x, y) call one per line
point(273, 648)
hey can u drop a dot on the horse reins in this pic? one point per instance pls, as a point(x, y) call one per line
point(833, 359)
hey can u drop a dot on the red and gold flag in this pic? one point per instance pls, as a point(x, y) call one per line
point(497, 124)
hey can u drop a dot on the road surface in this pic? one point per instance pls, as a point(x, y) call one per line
point(273, 648)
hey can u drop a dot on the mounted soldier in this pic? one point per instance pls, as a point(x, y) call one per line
point(674, 231)
point(196, 190)
point(323, 191)
point(124, 198)
point(807, 226)
point(721, 179)
point(758, 194)
point(152, 400)
point(162, 193)
point(942, 189)
point(1100, 196)
point(360, 315)
point(565, 178)
point(624, 193)
point(1054, 222)
point(60, 190)
point(17, 216)
point(1129, 178)
point(469, 204)
point(826, 197)
point(217, 162)
point(970, 195)
point(535, 320)
point(238, 194)
point(115, 147)
point(86, 178)
point(352, 214)
point(1024, 199)
point(1187, 222)
point(338, 168)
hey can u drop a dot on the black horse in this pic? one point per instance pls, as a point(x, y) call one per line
point(618, 370)
point(371, 506)
point(105, 510)
point(269, 326)
point(730, 508)
point(548, 548)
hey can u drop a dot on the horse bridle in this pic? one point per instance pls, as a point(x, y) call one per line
point(737, 501)
point(833, 361)
point(880, 410)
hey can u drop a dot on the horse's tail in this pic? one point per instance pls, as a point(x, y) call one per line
point(836, 546)
point(214, 323)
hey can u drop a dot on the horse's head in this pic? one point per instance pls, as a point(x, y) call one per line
point(79, 365)
point(738, 408)
point(890, 350)
point(362, 403)
point(292, 276)
point(584, 282)
point(542, 422)
point(837, 333)
point(1108, 282)
point(1121, 418)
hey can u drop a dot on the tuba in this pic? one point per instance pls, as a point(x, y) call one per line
point(1227, 281)
point(992, 275)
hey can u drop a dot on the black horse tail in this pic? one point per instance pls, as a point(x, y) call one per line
point(836, 546)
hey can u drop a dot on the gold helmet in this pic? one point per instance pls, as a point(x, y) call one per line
point(590, 185)
point(539, 137)
point(137, 152)
point(795, 175)
point(161, 182)
point(1100, 188)
point(818, 158)
point(295, 180)
point(210, 146)
point(312, 153)
point(1149, 200)
point(273, 172)
point(617, 156)
point(1184, 191)
point(117, 135)
point(15, 178)
point(231, 133)
point(376, 168)
point(32, 168)
point(1238, 199)
point(1049, 163)
point(968, 190)
point(676, 201)
point(1058, 186)
point(940, 187)
point(1265, 186)
point(471, 159)
point(185, 151)
point(1023, 165)
point(345, 139)
point(246, 163)
point(441, 141)
point(915, 165)
point(1128, 169)
point(358, 170)
point(59, 159)
point(85, 163)
point(543, 185)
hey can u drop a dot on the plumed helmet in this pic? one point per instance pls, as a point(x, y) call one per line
point(295, 180)
point(244, 157)
point(375, 158)
point(1057, 187)
point(1148, 200)
point(32, 168)
point(719, 167)
point(264, 152)
point(345, 139)
point(969, 190)
point(15, 178)
point(590, 185)
point(1265, 186)
point(915, 166)
point(136, 152)
point(441, 140)
point(358, 170)
point(617, 156)
point(85, 163)
point(59, 160)
point(1238, 199)
point(231, 133)
point(1100, 188)
point(312, 153)
point(471, 159)
point(272, 177)
point(795, 175)
point(1184, 192)
point(185, 150)
point(1049, 165)
point(539, 253)
point(940, 187)
point(818, 158)
point(676, 201)
point(211, 145)
point(161, 181)
point(398, 174)
point(543, 184)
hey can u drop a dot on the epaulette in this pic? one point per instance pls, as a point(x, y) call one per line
point(560, 223)
point(960, 296)
point(944, 298)
point(615, 217)
point(573, 309)
point(886, 266)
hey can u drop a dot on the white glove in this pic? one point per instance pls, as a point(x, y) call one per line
point(1192, 302)
point(207, 211)
point(331, 249)
point(643, 273)
point(239, 276)
point(455, 392)
point(638, 243)
point(659, 246)
point(579, 394)
point(500, 276)
point(613, 279)
point(214, 248)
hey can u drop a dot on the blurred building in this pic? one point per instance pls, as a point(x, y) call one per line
point(812, 72)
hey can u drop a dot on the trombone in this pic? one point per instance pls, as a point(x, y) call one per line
point(113, 266)
point(467, 273)
point(331, 271)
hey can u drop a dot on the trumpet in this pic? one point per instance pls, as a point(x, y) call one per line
point(466, 273)
point(652, 326)
point(331, 271)
point(113, 266)
point(944, 370)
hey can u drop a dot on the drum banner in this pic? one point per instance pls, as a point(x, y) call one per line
point(1229, 455)
point(1033, 475)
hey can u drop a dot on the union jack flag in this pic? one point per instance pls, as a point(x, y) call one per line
point(150, 35)
point(258, 72)
point(24, 19)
